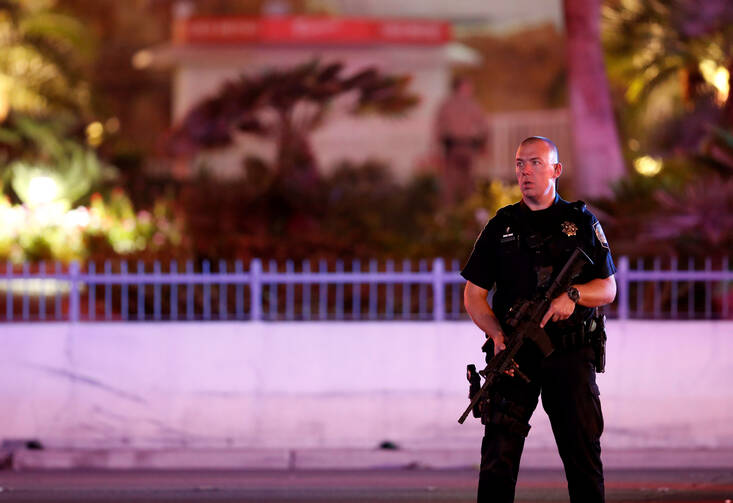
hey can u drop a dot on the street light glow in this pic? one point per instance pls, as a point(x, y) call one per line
point(648, 166)
point(95, 133)
point(142, 59)
point(42, 190)
point(717, 76)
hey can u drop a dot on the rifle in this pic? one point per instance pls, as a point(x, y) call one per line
point(524, 323)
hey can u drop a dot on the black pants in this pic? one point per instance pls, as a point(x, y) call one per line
point(566, 381)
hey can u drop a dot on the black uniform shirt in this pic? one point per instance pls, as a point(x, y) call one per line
point(520, 251)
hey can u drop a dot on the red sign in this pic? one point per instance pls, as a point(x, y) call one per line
point(315, 30)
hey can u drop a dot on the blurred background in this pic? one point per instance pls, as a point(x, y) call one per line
point(233, 167)
point(230, 124)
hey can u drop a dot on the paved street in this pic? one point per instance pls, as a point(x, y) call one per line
point(673, 485)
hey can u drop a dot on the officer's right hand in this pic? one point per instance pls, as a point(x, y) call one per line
point(499, 345)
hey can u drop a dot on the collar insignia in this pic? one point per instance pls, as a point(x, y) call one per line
point(569, 228)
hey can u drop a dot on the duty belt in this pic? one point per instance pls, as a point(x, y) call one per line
point(572, 338)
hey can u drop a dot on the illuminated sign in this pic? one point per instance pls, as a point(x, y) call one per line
point(314, 30)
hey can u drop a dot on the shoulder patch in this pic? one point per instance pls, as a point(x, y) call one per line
point(599, 234)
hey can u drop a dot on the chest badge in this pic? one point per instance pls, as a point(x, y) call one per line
point(569, 228)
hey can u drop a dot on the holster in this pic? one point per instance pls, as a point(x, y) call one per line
point(488, 348)
point(505, 414)
point(591, 333)
point(596, 331)
point(474, 380)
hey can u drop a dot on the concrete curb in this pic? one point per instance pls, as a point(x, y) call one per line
point(347, 459)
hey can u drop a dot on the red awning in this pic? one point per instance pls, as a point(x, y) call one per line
point(310, 30)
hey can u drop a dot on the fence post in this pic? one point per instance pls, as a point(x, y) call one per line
point(438, 290)
point(623, 288)
point(255, 289)
point(74, 292)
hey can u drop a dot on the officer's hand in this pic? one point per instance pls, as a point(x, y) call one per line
point(499, 345)
point(561, 308)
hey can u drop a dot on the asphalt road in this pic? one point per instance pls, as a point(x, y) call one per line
point(404, 486)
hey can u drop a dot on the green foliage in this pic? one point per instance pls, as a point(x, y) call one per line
point(105, 229)
point(357, 211)
point(44, 105)
point(718, 151)
point(42, 55)
point(372, 214)
point(685, 210)
point(43, 98)
point(658, 54)
point(40, 148)
point(451, 231)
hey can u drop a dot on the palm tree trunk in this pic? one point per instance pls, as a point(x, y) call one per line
point(296, 164)
point(598, 158)
point(728, 107)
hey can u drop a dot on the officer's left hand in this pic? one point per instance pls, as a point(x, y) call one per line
point(560, 309)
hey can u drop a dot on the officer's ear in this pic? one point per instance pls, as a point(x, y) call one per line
point(558, 169)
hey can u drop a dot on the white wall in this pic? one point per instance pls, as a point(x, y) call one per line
point(333, 384)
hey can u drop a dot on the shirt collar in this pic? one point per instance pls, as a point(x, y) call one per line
point(524, 206)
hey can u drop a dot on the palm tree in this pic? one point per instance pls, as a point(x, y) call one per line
point(669, 57)
point(42, 55)
point(287, 105)
point(44, 96)
point(596, 141)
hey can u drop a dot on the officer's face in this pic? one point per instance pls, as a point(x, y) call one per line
point(536, 169)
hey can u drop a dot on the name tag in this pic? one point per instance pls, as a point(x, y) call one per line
point(508, 238)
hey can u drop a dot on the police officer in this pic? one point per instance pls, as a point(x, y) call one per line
point(520, 251)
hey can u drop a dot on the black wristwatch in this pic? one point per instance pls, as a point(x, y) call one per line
point(574, 294)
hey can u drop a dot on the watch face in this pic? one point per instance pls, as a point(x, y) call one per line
point(573, 294)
